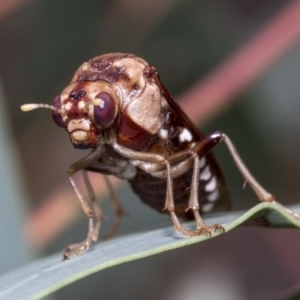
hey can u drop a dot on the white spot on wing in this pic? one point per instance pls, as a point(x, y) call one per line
point(212, 197)
point(207, 207)
point(202, 162)
point(211, 185)
point(185, 136)
point(205, 174)
point(129, 172)
point(163, 133)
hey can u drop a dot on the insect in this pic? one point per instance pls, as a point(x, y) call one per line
point(117, 106)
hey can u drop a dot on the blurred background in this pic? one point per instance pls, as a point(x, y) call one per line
point(232, 65)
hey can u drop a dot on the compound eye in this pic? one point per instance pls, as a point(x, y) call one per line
point(105, 110)
point(56, 116)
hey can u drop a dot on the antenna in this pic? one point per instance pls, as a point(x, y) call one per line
point(31, 106)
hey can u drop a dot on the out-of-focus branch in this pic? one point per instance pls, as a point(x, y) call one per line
point(209, 95)
point(216, 91)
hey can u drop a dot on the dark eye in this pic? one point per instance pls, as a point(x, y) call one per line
point(56, 115)
point(104, 113)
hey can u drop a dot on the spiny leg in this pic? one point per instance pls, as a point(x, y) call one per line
point(169, 205)
point(214, 138)
point(193, 205)
point(76, 249)
point(203, 147)
point(84, 245)
point(97, 210)
point(263, 195)
point(211, 140)
point(119, 211)
point(194, 201)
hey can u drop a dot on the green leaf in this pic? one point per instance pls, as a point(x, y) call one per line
point(42, 277)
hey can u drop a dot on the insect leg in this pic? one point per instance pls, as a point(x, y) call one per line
point(104, 168)
point(194, 200)
point(193, 203)
point(262, 194)
point(169, 203)
point(211, 140)
point(74, 168)
point(119, 211)
point(97, 210)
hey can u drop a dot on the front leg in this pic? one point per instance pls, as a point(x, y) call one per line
point(92, 231)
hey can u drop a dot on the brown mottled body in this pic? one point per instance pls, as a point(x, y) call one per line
point(117, 106)
point(134, 135)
